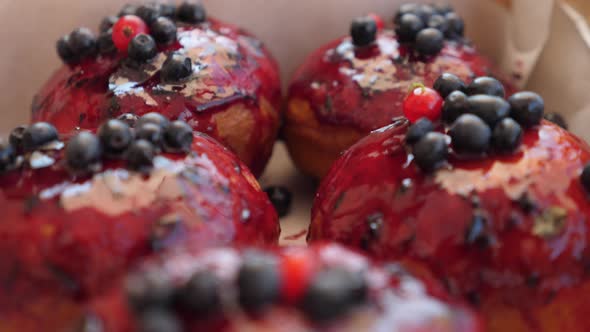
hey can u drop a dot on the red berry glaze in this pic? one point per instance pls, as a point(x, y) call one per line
point(508, 232)
point(66, 239)
point(400, 303)
point(423, 102)
point(340, 93)
point(233, 94)
point(125, 29)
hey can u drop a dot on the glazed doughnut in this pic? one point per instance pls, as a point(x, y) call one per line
point(214, 76)
point(356, 84)
point(500, 215)
point(76, 216)
point(322, 288)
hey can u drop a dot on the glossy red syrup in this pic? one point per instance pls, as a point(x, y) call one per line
point(532, 254)
point(397, 302)
point(66, 239)
point(233, 69)
point(365, 88)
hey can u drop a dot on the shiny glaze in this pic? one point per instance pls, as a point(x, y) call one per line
point(234, 87)
point(536, 257)
point(398, 302)
point(364, 88)
point(65, 239)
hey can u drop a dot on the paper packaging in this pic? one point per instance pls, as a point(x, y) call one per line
point(544, 42)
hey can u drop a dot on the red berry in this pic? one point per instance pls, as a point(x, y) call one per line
point(125, 29)
point(378, 21)
point(423, 102)
point(297, 268)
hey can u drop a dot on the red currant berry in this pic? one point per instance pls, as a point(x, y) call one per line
point(422, 102)
point(125, 29)
point(297, 268)
point(378, 21)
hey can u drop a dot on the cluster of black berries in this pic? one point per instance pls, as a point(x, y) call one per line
point(135, 140)
point(427, 26)
point(480, 120)
point(258, 285)
point(24, 140)
point(160, 18)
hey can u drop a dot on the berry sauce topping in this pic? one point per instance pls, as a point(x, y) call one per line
point(78, 213)
point(175, 61)
point(244, 289)
point(476, 125)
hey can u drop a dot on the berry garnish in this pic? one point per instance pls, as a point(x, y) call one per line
point(142, 48)
point(378, 21)
point(507, 135)
point(79, 44)
point(585, 178)
point(297, 269)
point(431, 151)
point(126, 28)
point(176, 68)
point(456, 26)
point(37, 135)
point(129, 118)
point(258, 281)
point(363, 31)
point(148, 12)
point(7, 156)
point(489, 108)
point(470, 135)
point(128, 9)
point(82, 42)
point(163, 30)
point(419, 130)
point(408, 27)
point(201, 295)
point(107, 23)
point(557, 119)
point(447, 83)
point(64, 51)
point(105, 42)
point(407, 8)
point(439, 23)
point(442, 9)
point(168, 10)
point(16, 137)
point(115, 136)
point(83, 153)
point(191, 12)
point(422, 102)
point(281, 198)
point(527, 108)
point(332, 293)
point(486, 86)
point(155, 118)
point(159, 320)
point(140, 156)
point(150, 132)
point(178, 137)
point(148, 290)
point(429, 41)
point(456, 104)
